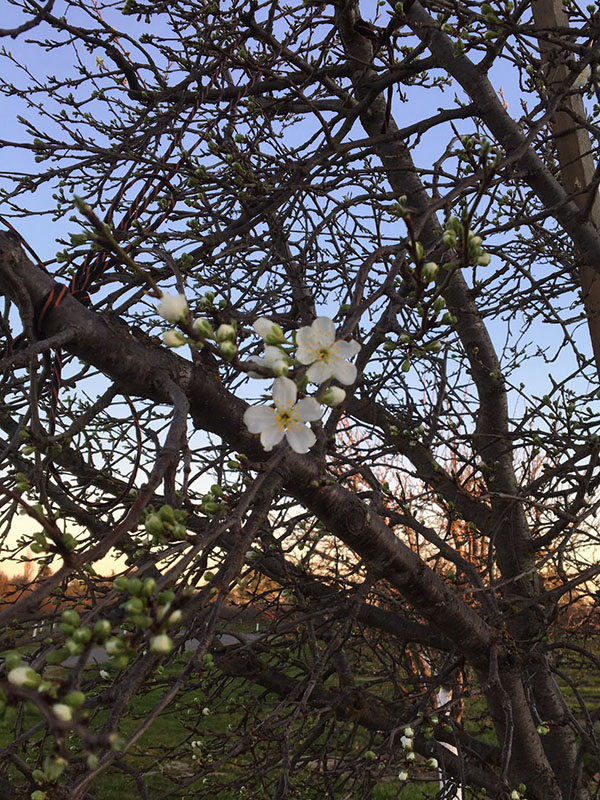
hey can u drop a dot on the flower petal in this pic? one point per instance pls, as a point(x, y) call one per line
point(172, 307)
point(306, 347)
point(324, 329)
point(300, 439)
point(271, 436)
point(263, 327)
point(319, 372)
point(309, 409)
point(257, 418)
point(346, 349)
point(284, 392)
point(344, 372)
point(276, 360)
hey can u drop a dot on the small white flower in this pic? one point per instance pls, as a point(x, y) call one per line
point(410, 756)
point(104, 675)
point(406, 742)
point(402, 775)
point(333, 396)
point(273, 359)
point(174, 338)
point(514, 795)
point(172, 307)
point(409, 732)
point(24, 678)
point(269, 332)
point(432, 763)
point(286, 419)
point(206, 712)
point(161, 644)
point(175, 618)
point(62, 712)
point(318, 347)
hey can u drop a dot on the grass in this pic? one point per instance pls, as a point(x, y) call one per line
point(165, 765)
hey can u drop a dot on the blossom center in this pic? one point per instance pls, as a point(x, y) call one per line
point(287, 418)
point(324, 354)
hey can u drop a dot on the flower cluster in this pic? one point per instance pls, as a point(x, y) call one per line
point(325, 357)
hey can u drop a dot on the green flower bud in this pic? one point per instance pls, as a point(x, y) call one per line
point(225, 333)
point(430, 271)
point(102, 630)
point(68, 630)
point(121, 584)
point(228, 350)
point(114, 647)
point(135, 586)
point(75, 699)
point(71, 617)
point(154, 525)
point(92, 761)
point(179, 532)
point(82, 635)
point(203, 327)
point(149, 587)
point(333, 396)
point(12, 660)
point(167, 514)
point(134, 606)
point(74, 648)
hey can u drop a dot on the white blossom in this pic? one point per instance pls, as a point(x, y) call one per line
point(172, 307)
point(269, 332)
point(161, 644)
point(174, 338)
point(327, 357)
point(402, 775)
point(286, 419)
point(274, 359)
point(62, 712)
point(24, 677)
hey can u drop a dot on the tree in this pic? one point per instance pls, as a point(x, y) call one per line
point(259, 170)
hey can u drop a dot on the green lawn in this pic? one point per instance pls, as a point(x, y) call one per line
point(165, 760)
